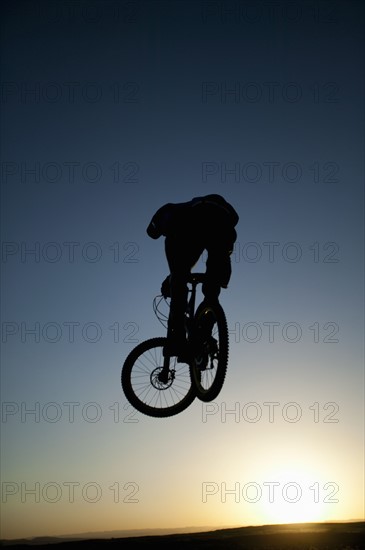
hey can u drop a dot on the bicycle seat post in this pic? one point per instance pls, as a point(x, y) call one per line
point(191, 303)
point(194, 280)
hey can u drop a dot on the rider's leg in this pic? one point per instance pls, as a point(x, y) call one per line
point(219, 270)
point(218, 274)
point(181, 255)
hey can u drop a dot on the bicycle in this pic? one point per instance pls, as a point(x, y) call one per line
point(161, 386)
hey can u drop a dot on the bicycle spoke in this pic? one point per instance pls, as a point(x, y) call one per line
point(150, 390)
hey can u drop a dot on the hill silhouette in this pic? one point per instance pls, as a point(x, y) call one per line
point(302, 536)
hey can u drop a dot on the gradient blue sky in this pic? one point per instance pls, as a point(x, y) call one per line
point(128, 112)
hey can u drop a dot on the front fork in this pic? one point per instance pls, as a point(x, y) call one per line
point(165, 372)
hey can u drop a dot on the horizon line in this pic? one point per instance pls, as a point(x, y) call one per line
point(107, 534)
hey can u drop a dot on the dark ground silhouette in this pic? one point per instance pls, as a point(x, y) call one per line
point(305, 536)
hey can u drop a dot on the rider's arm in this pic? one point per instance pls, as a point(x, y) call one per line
point(160, 222)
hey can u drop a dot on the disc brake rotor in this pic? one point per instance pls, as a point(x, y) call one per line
point(157, 382)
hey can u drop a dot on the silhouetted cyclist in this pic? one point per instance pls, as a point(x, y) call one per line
point(204, 223)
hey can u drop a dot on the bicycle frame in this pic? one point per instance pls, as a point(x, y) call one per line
point(160, 385)
point(194, 280)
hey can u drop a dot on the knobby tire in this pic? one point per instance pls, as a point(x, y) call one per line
point(208, 383)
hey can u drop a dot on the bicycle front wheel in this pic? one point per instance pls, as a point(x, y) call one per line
point(147, 390)
point(209, 367)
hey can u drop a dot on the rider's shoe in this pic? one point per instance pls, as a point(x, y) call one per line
point(206, 327)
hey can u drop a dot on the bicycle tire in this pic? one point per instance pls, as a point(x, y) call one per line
point(139, 381)
point(208, 382)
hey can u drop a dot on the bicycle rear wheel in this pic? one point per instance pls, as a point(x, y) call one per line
point(143, 387)
point(209, 367)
